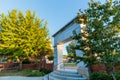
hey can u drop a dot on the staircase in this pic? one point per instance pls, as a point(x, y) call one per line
point(65, 75)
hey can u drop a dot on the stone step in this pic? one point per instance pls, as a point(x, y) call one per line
point(65, 75)
point(60, 77)
point(68, 71)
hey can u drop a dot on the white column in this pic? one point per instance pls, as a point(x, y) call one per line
point(58, 59)
point(55, 57)
point(60, 56)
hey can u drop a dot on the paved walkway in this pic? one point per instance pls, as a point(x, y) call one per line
point(71, 67)
point(20, 78)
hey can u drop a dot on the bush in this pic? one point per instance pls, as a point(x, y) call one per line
point(117, 74)
point(4, 59)
point(51, 57)
point(26, 61)
point(40, 72)
point(46, 71)
point(36, 73)
point(100, 76)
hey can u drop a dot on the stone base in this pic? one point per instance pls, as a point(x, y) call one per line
point(83, 71)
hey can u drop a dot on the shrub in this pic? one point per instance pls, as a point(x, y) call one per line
point(36, 73)
point(51, 57)
point(117, 74)
point(26, 61)
point(100, 76)
point(4, 59)
point(46, 71)
point(32, 73)
point(41, 72)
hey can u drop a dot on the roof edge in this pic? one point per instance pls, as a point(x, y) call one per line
point(64, 26)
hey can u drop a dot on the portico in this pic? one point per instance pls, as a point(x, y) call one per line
point(62, 36)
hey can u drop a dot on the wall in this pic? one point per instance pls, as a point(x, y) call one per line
point(102, 68)
point(9, 66)
point(16, 66)
point(98, 68)
point(44, 65)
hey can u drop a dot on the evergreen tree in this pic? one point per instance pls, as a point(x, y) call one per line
point(71, 51)
point(100, 39)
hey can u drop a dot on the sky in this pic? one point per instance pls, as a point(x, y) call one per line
point(57, 12)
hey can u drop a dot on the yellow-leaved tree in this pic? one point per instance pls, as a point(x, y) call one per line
point(23, 36)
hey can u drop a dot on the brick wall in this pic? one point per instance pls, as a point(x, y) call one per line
point(45, 65)
point(9, 66)
point(102, 68)
point(16, 66)
point(38, 66)
point(29, 66)
point(98, 68)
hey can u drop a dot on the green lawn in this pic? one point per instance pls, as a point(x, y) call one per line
point(70, 64)
point(23, 73)
point(15, 73)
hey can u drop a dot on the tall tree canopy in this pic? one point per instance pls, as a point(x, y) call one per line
point(100, 38)
point(23, 35)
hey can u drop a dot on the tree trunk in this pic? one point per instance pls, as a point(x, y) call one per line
point(113, 73)
point(89, 70)
point(20, 65)
point(39, 64)
point(110, 70)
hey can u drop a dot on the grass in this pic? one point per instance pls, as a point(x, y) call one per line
point(30, 72)
point(22, 73)
point(70, 64)
point(15, 73)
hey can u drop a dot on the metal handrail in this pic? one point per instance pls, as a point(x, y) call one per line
point(55, 67)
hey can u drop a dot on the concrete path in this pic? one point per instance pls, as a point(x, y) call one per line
point(20, 78)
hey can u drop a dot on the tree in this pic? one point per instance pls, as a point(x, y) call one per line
point(71, 51)
point(23, 36)
point(65, 56)
point(100, 39)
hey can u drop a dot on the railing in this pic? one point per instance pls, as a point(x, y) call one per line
point(55, 67)
point(9, 66)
